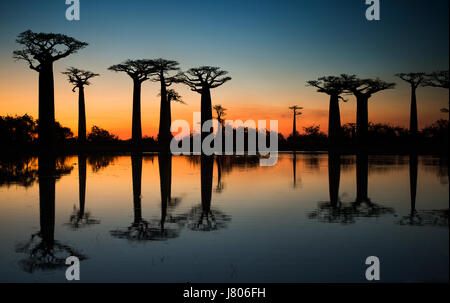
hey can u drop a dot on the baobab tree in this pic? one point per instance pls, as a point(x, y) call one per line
point(363, 89)
point(439, 79)
point(40, 50)
point(202, 80)
point(297, 112)
point(162, 68)
point(139, 71)
point(79, 78)
point(172, 96)
point(415, 80)
point(220, 113)
point(332, 86)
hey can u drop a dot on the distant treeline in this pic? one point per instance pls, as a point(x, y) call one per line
point(23, 130)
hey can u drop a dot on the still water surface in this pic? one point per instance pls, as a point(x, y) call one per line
point(150, 218)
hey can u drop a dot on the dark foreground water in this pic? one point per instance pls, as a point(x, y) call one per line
point(150, 218)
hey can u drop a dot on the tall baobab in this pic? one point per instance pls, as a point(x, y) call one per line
point(172, 96)
point(139, 71)
point(79, 78)
point(439, 79)
point(162, 67)
point(332, 86)
point(415, 80)
point(202, 80)
point(363, 89)
point(297, 112)
point(40, 50)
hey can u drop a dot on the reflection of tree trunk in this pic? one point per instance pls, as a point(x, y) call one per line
point(334, 120)
point(165, 167)
point(334, 175)
point(219, 172)
point(294, 167)
point(413, 119)
point(206, 171)
point(413, 163)
point(362, 177)
point(136, 168)
point(47, 179)
point(136, 129)
point(47, 134)
point(81, 116)
point(206, 110)
point(82, 183)
point(164, 116)
point(362, 119)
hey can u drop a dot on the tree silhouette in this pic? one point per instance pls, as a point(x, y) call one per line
point(42, 251)
point(363, 89)
point(79, 78)
point(80, 217)
point(220, 113)
point(172, 96)
point(334, 87)
point(202, 80)
point(439, 79)
point(297, 112)
point(415, 80)
point(40, 50)
point(139, 71)
point(162, 67)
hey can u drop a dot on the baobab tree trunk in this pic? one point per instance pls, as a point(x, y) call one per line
point(81, 116)
point(164, 116)
point(47, 180)
point(206, 108)
point(136, 128)
point(413, 119)
point(334, 120)
point(47, 136)
point(294, 126)
point(362, 119)
point(136, 170)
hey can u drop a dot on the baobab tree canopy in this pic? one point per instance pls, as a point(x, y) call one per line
point(415, 79)
point(139, 70)
point(364, 87)
point(79, 77)
point(330, 85)
point(162, 67)
point(204, 77)
point(438, 79)
point(45, 48)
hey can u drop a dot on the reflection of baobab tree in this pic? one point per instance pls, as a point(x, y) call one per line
point(42, 250)
point(336, 211)
point(220, 185)
point(363, 206)
point(203, 217)
point(294, 168)
point(141, 229)
point(421, 218)
point(80, 217)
